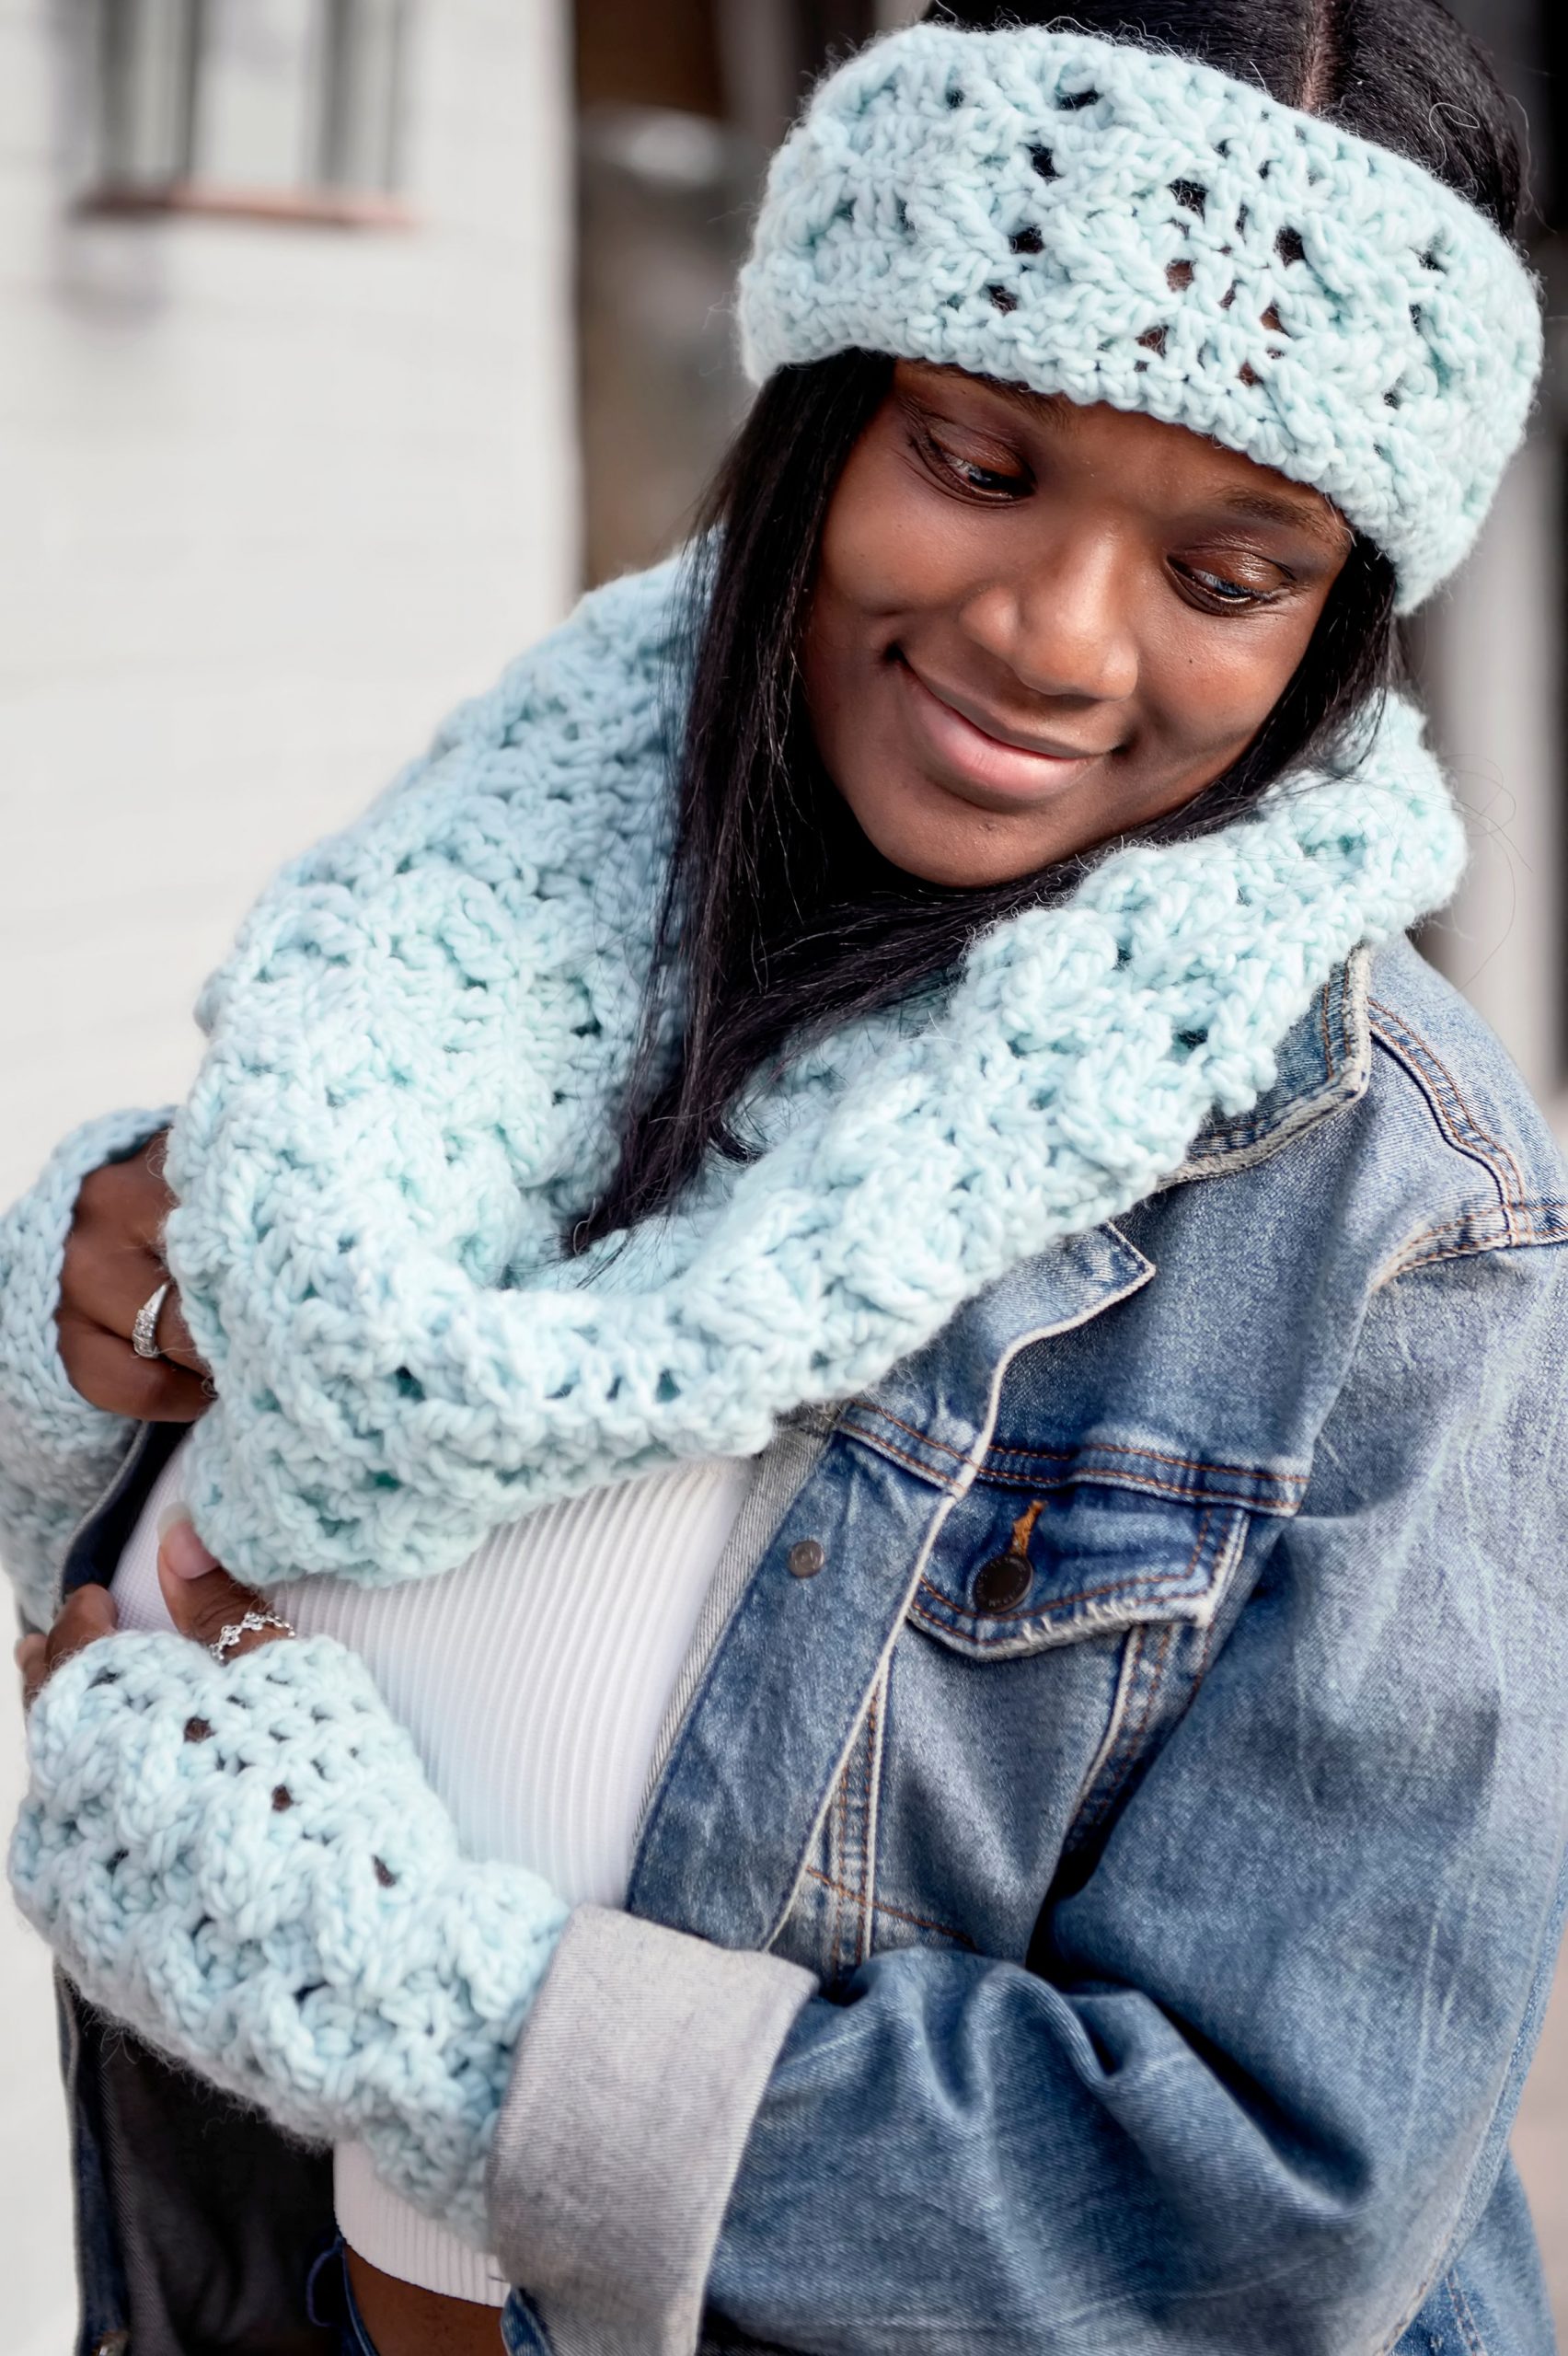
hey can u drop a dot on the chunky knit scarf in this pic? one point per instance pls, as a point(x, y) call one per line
point(418, 1056)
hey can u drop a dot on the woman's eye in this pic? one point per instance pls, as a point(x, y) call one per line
point(970, 474)
point(983, 478)
point(1220, 588)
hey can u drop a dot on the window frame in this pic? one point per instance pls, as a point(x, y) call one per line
point(326, 195)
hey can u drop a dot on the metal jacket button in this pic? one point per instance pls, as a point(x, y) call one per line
point(1002, 1582)
point(806, 1557)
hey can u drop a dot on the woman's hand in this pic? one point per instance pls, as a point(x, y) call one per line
point(86, 1615)
point(202, 1601)
point(113, 1264)
point(244, 1861)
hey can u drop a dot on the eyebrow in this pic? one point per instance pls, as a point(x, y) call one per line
point(1315, 516)
point(1024, 397)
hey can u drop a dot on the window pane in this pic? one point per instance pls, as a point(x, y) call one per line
point(253, 126)
point(360, 93)
point(149, 51)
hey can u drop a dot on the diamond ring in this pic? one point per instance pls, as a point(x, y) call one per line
point(145, 1333)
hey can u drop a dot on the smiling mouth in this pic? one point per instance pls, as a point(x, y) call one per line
point(970, 751)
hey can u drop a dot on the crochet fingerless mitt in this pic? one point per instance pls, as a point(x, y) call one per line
point(57, 1454)
point(247, 1864)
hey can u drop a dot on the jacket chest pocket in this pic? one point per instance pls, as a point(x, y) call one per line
point(1021, 1571)
point(1056, 1635)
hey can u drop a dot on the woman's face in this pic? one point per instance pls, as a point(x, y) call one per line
point(1037, 625)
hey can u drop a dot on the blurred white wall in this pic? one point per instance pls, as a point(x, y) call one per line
point(273, 498)
point(1491, 650)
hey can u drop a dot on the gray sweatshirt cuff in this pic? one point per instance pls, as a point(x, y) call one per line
point(637, 2078)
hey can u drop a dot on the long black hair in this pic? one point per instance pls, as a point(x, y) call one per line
point(779, 921)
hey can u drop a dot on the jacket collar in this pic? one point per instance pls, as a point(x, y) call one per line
point(1325, 1065)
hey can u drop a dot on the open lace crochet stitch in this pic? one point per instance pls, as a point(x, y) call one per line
point(245, 1862)
point(418, 1052)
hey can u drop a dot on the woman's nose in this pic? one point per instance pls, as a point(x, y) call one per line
point(1063, 626)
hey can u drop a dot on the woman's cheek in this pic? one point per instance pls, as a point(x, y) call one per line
point(893, 548)
point(1208, 697)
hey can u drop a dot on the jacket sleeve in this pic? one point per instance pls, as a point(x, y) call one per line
point(1259, 2086)
point(245, 1864)
point(57, 1454)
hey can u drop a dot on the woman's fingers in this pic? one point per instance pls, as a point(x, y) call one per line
point(87, 1614)
point(202, 1598)
point(105, 1370)
point(32, 1658)
point(114, 1251)
point(113, 1266)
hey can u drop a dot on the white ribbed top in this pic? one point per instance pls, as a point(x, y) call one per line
point(534, 1682)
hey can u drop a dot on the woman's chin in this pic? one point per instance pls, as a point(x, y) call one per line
point(940, 835)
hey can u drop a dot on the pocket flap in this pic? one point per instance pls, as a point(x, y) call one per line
point(1015, 1572)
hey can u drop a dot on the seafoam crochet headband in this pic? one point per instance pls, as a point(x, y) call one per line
point(1121, 225)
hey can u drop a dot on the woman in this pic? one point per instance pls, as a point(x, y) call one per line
point(861, 1149)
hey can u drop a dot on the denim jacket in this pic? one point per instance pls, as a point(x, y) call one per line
point(1102, 1888)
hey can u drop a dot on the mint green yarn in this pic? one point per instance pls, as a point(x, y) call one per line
point(417, 1051)
point(245, 1864)
point(416, 1057)
point(56, 1452)
point(1117, 224)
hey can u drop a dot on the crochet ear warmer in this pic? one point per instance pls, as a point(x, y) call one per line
point(247, 1864)
point(1099, 220)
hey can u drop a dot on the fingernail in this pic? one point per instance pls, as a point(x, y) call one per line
point(184, 1551)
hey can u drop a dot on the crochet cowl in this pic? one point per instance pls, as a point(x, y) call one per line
point(418, 1056)
point(1119, 224)
point(244, 1862)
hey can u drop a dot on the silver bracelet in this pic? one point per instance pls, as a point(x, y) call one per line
point(250, 1625)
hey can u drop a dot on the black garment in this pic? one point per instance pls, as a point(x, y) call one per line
point(197, 2220)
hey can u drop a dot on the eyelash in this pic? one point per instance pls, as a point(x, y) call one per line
point(995, 486)
point(1229, 597)
point(991, 487)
